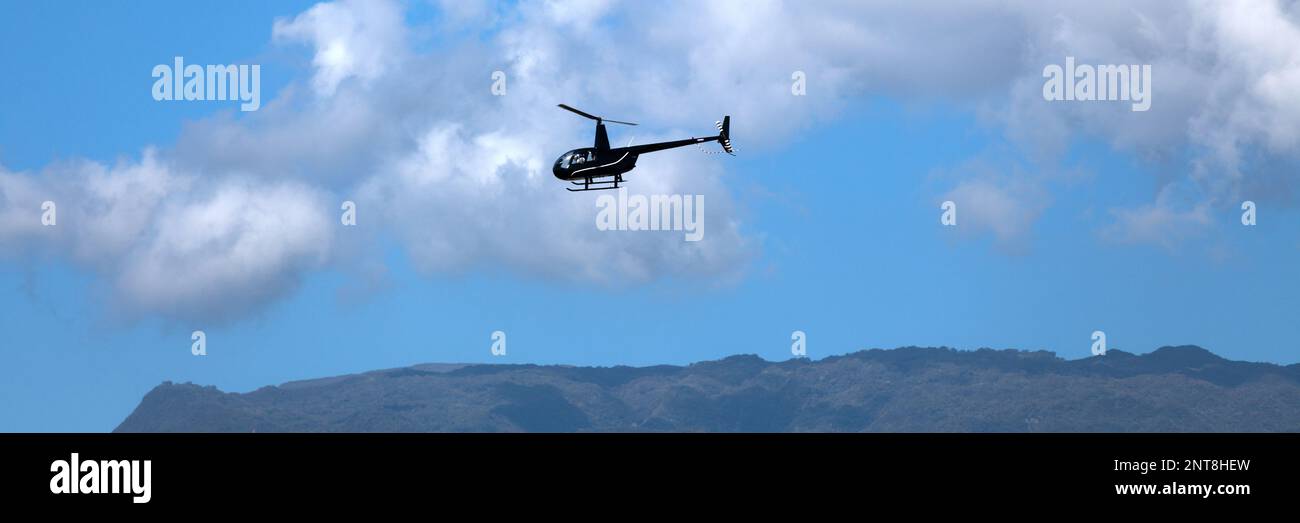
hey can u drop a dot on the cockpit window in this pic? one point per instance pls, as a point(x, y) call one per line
point(575, 158)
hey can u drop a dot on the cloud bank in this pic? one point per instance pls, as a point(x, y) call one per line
point(241, 208)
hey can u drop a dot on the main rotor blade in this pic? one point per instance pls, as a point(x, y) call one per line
point(593, 117)
point(580, 113)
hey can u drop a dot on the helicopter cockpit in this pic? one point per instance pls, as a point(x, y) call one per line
point(575, 159)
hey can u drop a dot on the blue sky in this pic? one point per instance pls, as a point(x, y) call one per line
point(832, 204)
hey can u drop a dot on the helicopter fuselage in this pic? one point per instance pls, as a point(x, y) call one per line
point(590, 162)
point(597, 162)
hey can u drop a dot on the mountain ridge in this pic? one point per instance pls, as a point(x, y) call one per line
point(929, 389)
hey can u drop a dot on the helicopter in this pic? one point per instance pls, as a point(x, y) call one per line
point(601, 167)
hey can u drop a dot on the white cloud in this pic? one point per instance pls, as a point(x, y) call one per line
point(167, 243)
point(219, 254)
point(100, 211)
point(1220, 122)
point(1170, 220)
point(352, 38)
point(1001, 204)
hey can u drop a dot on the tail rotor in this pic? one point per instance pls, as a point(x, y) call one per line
point(724, 135)
point(723, 138)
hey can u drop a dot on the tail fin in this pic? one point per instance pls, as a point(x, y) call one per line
point(724, 134)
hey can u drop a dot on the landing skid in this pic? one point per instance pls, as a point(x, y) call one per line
point(596, 185)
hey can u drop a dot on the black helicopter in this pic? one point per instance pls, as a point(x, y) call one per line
point(602, 167)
